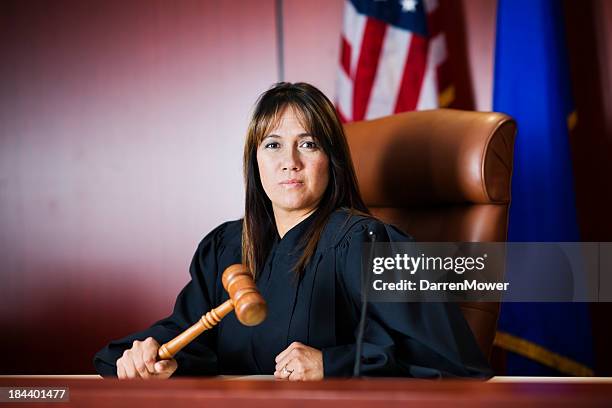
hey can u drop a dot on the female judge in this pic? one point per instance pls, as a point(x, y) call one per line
point(301, 236)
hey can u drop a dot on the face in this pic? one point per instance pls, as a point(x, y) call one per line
point(292, 166)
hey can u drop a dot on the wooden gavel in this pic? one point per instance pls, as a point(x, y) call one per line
point(249, 305)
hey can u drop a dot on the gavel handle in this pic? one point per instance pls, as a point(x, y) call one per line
point(206, 322)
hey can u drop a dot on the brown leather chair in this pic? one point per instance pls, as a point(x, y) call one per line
point(440, 175)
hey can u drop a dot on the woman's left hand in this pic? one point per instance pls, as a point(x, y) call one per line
point(299, 362)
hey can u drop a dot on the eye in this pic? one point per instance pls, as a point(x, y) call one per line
point(309, 144)
point(272, 145)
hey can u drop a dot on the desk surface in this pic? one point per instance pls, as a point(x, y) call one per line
point(377, 393)
point(497, 379)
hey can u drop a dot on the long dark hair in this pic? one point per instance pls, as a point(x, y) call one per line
point(319, 118)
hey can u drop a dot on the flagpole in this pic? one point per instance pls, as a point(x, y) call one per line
point(280, 40)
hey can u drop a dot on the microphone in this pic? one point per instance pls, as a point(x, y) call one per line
point(365, 286)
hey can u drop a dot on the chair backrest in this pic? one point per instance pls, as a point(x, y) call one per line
point(441, 176)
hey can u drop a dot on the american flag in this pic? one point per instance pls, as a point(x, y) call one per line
point(392, 53)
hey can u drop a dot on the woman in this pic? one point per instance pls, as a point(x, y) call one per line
point(302, 235)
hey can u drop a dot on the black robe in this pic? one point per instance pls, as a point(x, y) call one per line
point(321, 310)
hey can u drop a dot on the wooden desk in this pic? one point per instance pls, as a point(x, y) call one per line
point(370, 393)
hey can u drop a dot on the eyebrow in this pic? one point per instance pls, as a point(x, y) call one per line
point(273, 135)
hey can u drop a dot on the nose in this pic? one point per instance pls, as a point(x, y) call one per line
point(291, 160)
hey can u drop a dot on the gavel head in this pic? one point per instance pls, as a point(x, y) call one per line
point(249, 306)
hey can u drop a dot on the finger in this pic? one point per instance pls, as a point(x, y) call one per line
point(286, 370)
point(140, 366)
point(149, 354)
point(292, 374)
point(297, 371)
point(298, 366)
point(295, 353)
point(283, 354)
point(120, 370)
point(281, 375)
point(165, 367)
point(135, 354)
point(130, 370)
point(281, 364)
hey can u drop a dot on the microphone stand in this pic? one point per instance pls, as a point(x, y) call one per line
point(365, 286)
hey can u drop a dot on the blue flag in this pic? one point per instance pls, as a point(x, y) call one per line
point(532, 84)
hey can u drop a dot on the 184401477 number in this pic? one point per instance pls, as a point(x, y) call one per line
point(48, 394)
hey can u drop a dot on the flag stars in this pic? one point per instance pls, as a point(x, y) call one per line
point(409, 5)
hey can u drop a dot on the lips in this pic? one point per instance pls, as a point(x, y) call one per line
point(292, 182)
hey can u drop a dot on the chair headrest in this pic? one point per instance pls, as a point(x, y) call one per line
point(437, 156)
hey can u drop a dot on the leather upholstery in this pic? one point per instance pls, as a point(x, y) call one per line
point(440, 175)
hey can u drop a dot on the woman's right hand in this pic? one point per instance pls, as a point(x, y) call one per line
point(140, 362)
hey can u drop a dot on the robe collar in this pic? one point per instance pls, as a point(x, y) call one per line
point(291, 243)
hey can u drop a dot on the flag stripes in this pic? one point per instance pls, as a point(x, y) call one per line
point(388, 61)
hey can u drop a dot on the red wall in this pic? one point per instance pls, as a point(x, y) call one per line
point(121, 134)
point(121, 130)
